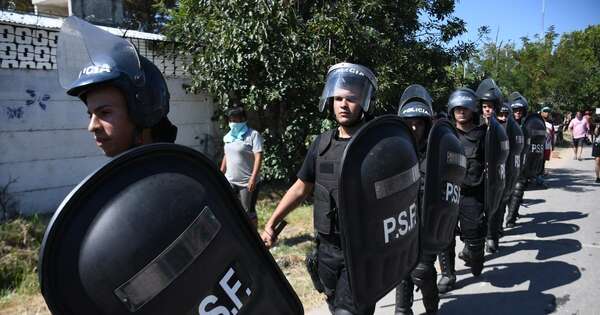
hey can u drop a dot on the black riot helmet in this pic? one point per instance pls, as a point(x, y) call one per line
point(416, 102)
point(464, 97)
point(506, 108)
point(89, 57)
point(517, 100)
point(489, 91)
point(348, 76)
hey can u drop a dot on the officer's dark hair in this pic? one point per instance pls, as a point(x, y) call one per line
point(164, 131)
point(236, 111)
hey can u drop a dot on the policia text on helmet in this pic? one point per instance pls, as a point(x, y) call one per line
point(415, 108)
point(126, 95)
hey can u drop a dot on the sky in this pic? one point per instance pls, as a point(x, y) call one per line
point(513, 19)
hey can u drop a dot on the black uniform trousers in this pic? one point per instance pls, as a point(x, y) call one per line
point(334, 277)
point(471, 219)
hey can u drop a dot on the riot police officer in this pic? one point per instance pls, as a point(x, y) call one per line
point(504, 112)
point(513, 170)
point(145, 231)
point(490, 98)
point(416, 110)
point(126, 95)
point(348, 94)
point(463, 110)
point(519, 106)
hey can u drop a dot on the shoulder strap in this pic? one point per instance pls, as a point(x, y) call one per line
point(325, 140)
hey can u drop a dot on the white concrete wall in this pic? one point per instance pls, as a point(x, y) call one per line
point(44, 143)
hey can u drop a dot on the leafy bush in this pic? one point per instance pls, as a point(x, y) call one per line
point(272, 58)
point(20, 241)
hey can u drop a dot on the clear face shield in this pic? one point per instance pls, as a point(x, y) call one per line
point(354, 82)
point(88, 55)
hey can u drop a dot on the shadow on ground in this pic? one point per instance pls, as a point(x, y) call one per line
point(295, 240)
point(537, 276)
point(530, 202)
point(542, 276)
point(546, 249)
point(570, 180)
point(547, 224)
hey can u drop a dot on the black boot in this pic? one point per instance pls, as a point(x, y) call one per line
point(515, 202)
point(404, 297)
point(448, 278)
point(491, 245)
point(424, 276)
point(463, 256)
point(512, 213)
point(475, 255)
point(494, 227)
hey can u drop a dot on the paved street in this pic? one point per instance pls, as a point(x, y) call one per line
point(546, 264)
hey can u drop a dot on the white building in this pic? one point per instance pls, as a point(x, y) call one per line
point(45, 148)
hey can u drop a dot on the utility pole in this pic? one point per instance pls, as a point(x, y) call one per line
point(543, 12)
point(497, 52)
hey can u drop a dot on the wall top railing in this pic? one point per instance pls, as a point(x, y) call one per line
point(29, 41)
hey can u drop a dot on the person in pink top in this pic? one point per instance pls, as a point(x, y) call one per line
point(579, 128)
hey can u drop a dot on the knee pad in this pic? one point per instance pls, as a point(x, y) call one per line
point(423, 274)
point(519, 188)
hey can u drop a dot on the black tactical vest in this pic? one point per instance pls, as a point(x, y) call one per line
point(328, 167)
point(473, 141)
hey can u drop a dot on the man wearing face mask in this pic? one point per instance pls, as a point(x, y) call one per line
point(242, 160)
point(348, 92)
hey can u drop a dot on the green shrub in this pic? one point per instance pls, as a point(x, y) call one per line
point(20, 241)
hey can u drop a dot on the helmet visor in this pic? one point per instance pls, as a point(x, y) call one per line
point(350, 84)
point(89, 55)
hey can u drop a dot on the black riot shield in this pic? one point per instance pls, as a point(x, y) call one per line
point(534, 130)
point(379, 224)
point(158, 231)
point(446, 166)
point(497, 148)
point(513, 162)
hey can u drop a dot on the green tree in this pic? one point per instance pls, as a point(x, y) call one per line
point(146, 15)
point(272, 56)
point(576, 81)
point(564, 75)
point(16, 5)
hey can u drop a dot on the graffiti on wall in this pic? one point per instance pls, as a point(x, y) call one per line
point(34, 100)
point(27, 48)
